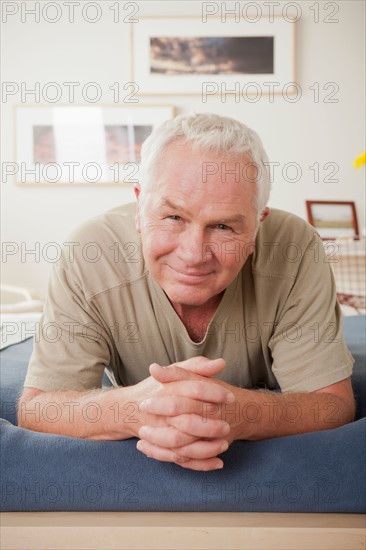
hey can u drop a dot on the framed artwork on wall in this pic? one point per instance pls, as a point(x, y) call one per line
point(333, 219)
point(82, 144)
point(189, 56)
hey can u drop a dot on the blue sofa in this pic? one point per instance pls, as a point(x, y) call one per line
point(313, 472)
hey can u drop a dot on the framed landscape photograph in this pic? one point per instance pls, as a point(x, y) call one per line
point(333, 219)
point(83, 144)
point(182, 56)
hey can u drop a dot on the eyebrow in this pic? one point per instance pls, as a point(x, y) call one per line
point(237, 218)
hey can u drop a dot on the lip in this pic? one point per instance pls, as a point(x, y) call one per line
point(190, 276)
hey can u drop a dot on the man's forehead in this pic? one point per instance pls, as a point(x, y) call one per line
point(179, 202)
point(181, 158)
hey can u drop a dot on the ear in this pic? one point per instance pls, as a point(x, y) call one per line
point(137, 191)
point(264, 214)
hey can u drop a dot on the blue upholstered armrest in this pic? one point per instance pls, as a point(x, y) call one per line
point(313, 472)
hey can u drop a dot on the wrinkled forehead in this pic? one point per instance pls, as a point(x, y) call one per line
point(204, 186)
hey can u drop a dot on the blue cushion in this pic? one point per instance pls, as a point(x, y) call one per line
point(355, 334)
point(14, 364)
point(313, 472)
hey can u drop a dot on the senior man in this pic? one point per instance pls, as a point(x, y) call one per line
point(202, 278)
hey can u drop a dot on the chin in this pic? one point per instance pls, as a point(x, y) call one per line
point(189, 296)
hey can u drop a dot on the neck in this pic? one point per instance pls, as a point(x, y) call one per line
point(197, 318)
point(204, 311)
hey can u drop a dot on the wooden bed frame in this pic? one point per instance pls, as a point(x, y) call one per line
point(183, 530)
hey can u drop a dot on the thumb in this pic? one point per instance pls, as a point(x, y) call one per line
point(190, 369)
point(203, 365)
point(172, 373)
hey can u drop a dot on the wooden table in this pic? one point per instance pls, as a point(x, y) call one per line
point(172, 530)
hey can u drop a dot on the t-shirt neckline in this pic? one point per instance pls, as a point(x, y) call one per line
point(219, 315)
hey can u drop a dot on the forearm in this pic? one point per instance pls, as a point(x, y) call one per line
point(97, 414)
point(259, 414)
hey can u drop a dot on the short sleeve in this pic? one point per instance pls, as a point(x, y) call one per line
point(307, 345)
point(71, 345)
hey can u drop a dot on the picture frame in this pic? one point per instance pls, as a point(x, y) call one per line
point(82, 144)
point(333, 219)
point(210, 55)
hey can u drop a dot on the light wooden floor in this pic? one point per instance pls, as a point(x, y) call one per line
point(171, 530)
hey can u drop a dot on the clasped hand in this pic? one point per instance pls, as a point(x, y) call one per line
point(180, 414)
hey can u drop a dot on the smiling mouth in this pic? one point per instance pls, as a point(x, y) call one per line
point(190, 276)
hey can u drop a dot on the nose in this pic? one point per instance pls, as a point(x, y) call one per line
point(191, 246)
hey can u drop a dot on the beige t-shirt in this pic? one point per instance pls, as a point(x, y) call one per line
point(278, 323)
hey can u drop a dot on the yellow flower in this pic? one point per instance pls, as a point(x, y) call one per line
point(360, 160)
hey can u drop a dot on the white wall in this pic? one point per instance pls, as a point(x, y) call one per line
point(304, 132)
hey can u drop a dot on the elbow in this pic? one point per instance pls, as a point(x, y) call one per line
point(347, 409)
point(351, 412)
point(28, 413)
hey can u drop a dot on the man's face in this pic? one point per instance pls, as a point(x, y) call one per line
point(197, 228)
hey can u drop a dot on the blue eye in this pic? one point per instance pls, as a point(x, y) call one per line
point(223, 227)
point(175, 218)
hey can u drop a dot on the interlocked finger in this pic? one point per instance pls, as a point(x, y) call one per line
point(166, 437)
point(200, 390)
point(168, 455)
point(175, 405)
point(203, 449)
point(195, 425)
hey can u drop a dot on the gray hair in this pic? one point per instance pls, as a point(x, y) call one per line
point(213, 134)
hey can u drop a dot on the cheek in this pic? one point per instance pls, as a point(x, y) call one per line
point(157, 243)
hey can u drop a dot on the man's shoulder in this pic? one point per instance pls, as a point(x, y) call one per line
point(105, 251)
point(106, 224)
point(285, 223)
point(282, 240)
